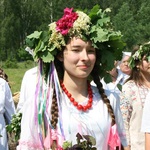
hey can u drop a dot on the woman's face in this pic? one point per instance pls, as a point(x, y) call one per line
point(124, 67)
point(79, 58)
point(145, 66)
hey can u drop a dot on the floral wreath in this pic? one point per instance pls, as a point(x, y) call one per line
point(138, 55)
point(95, 25)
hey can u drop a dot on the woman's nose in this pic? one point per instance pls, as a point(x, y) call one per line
point(84, 55)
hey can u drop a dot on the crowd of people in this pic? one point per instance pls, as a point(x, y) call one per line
point(65, 99)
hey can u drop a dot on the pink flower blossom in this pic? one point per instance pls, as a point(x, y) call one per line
point(66, 22)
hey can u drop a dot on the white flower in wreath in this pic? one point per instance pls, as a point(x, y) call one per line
point(136, 55)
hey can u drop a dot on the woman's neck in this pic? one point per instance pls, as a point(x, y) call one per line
point(77, 87)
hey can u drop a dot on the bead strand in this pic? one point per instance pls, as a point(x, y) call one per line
point(76, 104)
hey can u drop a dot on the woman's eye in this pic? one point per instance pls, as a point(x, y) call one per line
point(91, 51)
point(76, 50)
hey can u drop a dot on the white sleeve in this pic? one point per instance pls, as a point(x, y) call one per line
point(145, 127)
point(27, 87)
point(119, 119)
point(22, 97)
point(9, 104)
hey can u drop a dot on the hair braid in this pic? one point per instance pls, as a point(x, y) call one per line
point(103, 95)
point(54, 119)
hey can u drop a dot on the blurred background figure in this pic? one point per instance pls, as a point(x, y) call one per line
point(133, 95)
point(7, 109)
point(119, 74)
point(123, 68)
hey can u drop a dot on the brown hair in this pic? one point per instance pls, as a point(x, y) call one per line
point(3, 75)
point(96, 80)
point(54, 119)
point(136, 75)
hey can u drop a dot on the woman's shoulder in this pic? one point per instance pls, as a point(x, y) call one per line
point(110, 94)
point(129, 84)
point(2, 81)
point(31, 71)
point(30, 75)
point(3, 84)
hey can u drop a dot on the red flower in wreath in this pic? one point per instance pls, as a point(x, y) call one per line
point(66, 22)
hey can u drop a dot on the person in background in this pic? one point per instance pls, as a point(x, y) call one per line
point(119, 74)
point(27, 85)
point(28, 79)
point(133, 95)
point(145, 127)
point(123, 68)
point(62, 103)
point(7, 109)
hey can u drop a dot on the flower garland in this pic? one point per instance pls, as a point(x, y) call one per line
point(95, 26)
point(66, 22)
point(76, 104)
point(138, 55)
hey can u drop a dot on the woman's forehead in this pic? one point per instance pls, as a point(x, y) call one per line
point(77, 42)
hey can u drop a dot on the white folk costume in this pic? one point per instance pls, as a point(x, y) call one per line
point(96, 122)
point(28, 84)
point(7, 109)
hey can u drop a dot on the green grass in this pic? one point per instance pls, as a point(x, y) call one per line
point(15, 75)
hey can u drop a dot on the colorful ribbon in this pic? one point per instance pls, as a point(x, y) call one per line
point(114, 139)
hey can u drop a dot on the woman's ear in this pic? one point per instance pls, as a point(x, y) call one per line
point(60, 57)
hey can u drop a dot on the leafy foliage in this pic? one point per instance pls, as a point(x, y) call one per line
point(108, 41)
point(84, 142)
point(11, 63)
point(144, 50)
point(96, 26)
point(15, 126)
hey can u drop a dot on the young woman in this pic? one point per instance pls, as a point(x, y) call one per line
point(7, 109)
point(64, 103)
point(133, 96)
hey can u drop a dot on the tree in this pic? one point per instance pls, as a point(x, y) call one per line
point(18, 18)
point(143, 18)
point(124, 21)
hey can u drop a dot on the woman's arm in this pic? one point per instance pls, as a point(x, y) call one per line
point(9, 104)
point(147, 141)
point(126, 108)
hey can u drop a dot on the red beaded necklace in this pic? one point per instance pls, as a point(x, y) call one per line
point(76, 104)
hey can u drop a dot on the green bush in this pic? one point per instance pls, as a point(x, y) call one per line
point(28, 63)
point(10, 64)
